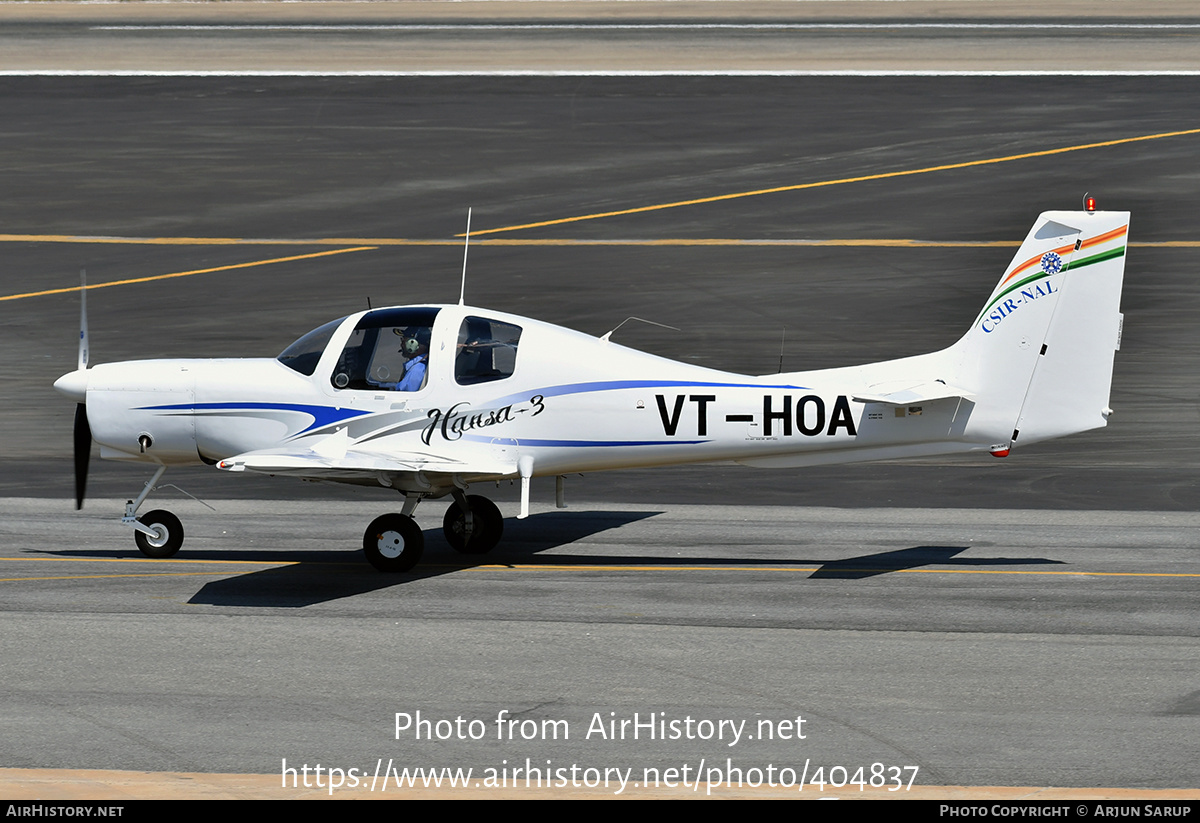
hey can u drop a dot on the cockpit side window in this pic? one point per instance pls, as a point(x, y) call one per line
point(487, 351)
point(304, 354)
point(389, 350)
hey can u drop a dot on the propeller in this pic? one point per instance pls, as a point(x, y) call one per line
point(83, 429)
point(83, 452)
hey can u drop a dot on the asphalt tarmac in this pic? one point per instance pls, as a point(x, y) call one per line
point(1026, 622)
point(987, 648)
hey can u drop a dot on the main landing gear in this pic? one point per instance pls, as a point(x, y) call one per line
point(394, 543)
point(473, 525)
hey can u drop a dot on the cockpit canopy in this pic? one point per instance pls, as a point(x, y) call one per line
point(390, 349)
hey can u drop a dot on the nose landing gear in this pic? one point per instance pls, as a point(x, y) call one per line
point(163, 534)
point(159, 533)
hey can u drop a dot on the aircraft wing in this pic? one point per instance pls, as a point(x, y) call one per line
point(336, 458)
point(910, 395)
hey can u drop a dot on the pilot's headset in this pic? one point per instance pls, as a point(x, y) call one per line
point(414, 339)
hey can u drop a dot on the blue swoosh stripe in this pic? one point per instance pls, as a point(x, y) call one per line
point(601, 443)
point(322, 415)
point(586, 443)
point(616, 385)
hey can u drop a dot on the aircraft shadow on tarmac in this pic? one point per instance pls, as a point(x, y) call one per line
point(313, 580)
point(324, 576)
point(869, 565)
point(319, 576)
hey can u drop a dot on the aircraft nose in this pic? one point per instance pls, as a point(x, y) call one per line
point(74, 385)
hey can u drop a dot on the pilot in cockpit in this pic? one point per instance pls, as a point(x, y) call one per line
point(415, 350)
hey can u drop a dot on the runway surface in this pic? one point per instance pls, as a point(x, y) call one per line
point(1028, 622)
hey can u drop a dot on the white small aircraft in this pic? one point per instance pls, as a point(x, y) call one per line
point(429, 399)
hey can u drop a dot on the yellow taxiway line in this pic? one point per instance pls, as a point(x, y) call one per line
point(363, 244)
point(841, 181)
point(171, 275)
point(836, 569)
point(109, 576)
point(366, 243)
point(375, 243)
point(554, 567)
point(123, 560)
point(495, 241)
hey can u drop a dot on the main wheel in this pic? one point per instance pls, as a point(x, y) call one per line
point(168, 534)
point(487, 526)
point(393, 543)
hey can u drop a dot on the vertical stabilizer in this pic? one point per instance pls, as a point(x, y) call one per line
point(1040, 354)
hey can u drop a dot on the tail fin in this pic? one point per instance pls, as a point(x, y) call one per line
point(1039, 357)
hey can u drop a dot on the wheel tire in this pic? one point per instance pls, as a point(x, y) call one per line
point(169, 530)
point(488, 526)
point(393, 543)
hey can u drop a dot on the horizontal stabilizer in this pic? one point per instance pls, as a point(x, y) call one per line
point(921, 393)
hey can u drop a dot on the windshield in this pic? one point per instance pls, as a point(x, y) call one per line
point(305, 352)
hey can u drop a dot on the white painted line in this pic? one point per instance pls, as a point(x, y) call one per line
point(637, 26)
point(608, 73)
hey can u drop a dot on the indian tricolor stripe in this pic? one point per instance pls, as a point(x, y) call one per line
point(1104, 238)
point(1008, 286)
point(1036, 259)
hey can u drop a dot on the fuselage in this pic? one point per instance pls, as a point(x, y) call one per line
point(569, 401)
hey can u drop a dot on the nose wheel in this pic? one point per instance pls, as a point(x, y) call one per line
point(393, 543)
point(165, 534)
point(481, 532)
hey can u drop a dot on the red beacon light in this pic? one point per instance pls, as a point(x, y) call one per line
point(1089, 204)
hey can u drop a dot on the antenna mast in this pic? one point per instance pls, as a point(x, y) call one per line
point(466, 247)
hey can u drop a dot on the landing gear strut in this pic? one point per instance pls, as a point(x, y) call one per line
point(159, 533)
